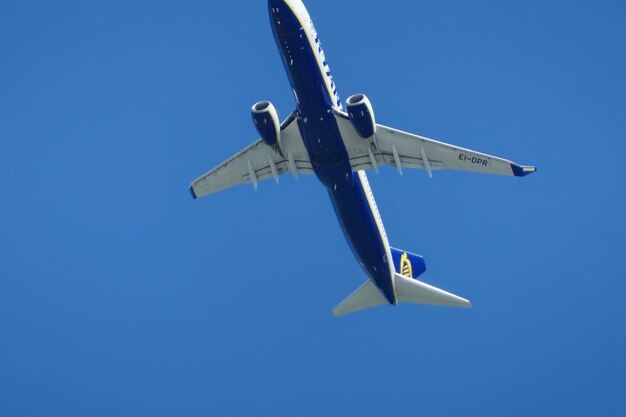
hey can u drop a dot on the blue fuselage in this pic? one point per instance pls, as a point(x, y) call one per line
point(316, 97)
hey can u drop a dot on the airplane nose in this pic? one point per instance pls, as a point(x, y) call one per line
point(283, 4)
point(284, 20)
point(275, 3)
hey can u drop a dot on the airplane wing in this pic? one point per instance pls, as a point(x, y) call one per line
point(406, 150)
point(257, 162)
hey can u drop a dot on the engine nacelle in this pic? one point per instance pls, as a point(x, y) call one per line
point(265, 120)
point(361, 115)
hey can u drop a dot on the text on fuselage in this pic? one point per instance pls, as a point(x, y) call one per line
point(325, 66)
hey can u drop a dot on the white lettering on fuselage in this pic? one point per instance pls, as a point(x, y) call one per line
point(325, 68)
point(297, 7)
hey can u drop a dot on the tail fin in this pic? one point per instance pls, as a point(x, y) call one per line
point(408, 290)
point(408, 264)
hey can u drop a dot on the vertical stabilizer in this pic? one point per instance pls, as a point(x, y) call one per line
point(408, 264)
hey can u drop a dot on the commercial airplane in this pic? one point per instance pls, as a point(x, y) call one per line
point(321, 137)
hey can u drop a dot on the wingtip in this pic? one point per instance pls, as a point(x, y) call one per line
point(522, 171)
point(193, 193)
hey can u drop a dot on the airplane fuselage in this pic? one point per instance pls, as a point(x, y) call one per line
point(316, 96)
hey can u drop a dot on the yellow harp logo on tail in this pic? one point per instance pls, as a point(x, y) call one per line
point(405, 266)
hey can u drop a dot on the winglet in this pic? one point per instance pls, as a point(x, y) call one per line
point(193, 193)
point(522, 171)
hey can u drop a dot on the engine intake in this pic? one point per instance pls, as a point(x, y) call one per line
point(361, 115)
point(265, 120)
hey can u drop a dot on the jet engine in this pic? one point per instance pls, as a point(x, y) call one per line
point(265, 120)
point(361, 115)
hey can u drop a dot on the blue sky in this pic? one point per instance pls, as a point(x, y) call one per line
point(120, 295)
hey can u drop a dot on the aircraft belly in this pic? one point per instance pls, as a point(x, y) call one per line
point(326, 149)
point(316, 122)
point(361, 231)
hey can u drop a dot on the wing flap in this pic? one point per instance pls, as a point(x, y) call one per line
point(416, 151)
point(440, 155)
point(256, 158)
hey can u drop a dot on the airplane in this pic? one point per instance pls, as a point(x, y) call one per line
point(338, 144)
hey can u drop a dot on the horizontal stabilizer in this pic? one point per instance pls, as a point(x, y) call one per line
point(413, 291)
point(408, 290)
point(366, 296)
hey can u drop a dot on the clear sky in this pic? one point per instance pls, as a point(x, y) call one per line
point(121, 296)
